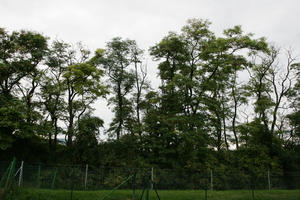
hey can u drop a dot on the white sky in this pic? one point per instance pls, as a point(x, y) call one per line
point(95, 22)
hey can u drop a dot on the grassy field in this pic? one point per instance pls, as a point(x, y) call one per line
point(43, 194)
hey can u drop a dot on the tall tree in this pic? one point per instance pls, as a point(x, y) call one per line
point(196, 71)
point(20, 55)
point(292, 136)
point(225, 58)
point(53, 89)
point(83, 86)
point(269, 85)
point(117, 58)
point(140, 87)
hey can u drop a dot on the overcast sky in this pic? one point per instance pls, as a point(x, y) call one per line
point(95, 22)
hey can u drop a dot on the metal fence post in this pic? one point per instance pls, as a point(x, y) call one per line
point(269, 181)
point(147, 187)
point(72, 183)
point(211, 180)
point(133, 184)
point(21, 174)
point(54, 178)
point(38, 176)
point(86, 174)
point(5, 175)
point(206, 187)
point(10, 173)
point(252, 186)
point(152, 173)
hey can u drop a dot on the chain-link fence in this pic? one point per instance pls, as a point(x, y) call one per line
point(92, 178)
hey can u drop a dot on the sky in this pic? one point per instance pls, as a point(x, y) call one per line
point(95, 22)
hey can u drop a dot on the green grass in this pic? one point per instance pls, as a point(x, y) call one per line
point(44, 194)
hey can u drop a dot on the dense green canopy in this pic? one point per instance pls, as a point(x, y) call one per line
point(228, 100)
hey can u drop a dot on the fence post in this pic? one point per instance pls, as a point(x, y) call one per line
point(152, 178)
point(269, 181)
point(252, 186)
point(86, 174)
point(5, 175)
point(133, 184)
point(148, 187)
point(21, 174)
point(211, 180)
point(38, 176)
point(206, 187)
point(10, 173)
point(72, 183)
point(54, 178)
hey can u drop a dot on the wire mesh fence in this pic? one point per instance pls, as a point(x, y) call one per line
point(92, 178)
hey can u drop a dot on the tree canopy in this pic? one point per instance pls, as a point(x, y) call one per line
point(219, 96)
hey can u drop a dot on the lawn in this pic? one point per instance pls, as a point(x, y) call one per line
point(46, 194)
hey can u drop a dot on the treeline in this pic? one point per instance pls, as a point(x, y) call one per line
point(229, 101)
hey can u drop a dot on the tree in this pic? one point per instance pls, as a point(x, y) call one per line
point(141, 85)
point(53, 89)
point(196, 70)
point(116, 59)
point(20, 55)
point(225, 60)
point(293, 136)
point(270, 85)
point(86, 140)
point(83, 86)
point(281, 80)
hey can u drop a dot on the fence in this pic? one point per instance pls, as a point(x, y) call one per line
point(24, 175)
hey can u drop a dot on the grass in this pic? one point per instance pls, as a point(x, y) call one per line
point(46, 194)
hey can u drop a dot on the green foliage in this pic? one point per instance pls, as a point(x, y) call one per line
point(12, 114)
point(202, 115)
point(86, 141)
point(118, 56)
point(20, 54)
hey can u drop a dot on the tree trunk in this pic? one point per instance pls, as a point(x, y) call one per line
point(120, 104)
point(234, 118)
